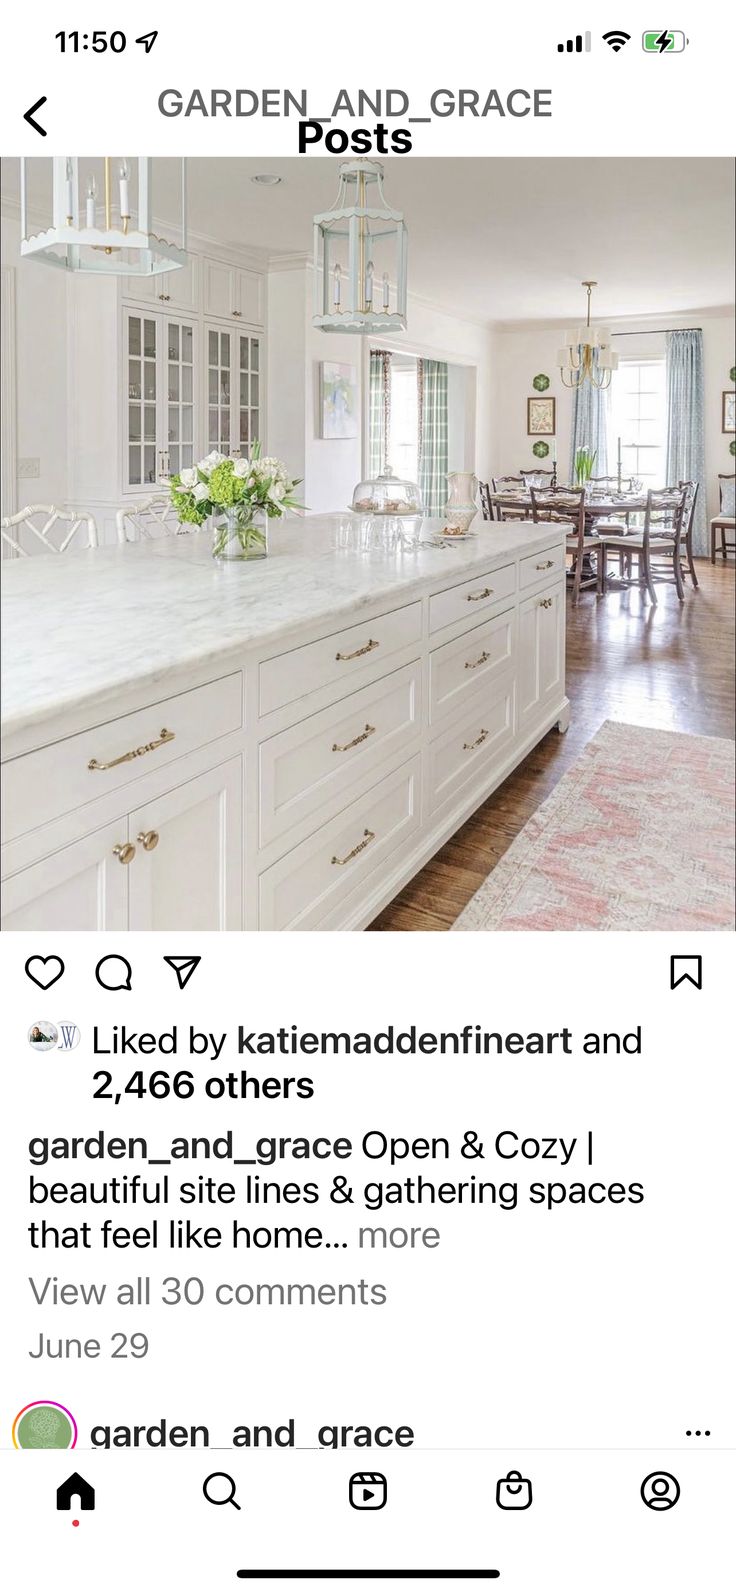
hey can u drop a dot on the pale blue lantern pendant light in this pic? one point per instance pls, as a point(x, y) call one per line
point(360, 257)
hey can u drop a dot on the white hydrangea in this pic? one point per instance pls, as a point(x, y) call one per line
point(207, 465)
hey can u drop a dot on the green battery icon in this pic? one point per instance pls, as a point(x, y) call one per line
point(664, 42)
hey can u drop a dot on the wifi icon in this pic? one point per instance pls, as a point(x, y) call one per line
point(616, 38)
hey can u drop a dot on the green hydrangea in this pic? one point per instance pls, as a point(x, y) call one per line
point(225, 488)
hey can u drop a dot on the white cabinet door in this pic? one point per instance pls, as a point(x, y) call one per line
point(234, 389)
point(187, 871)
point(179, 290)
point(160, 408)
point(83, 886)
point(232, 294)
point(220, 288)
point(541, 653)
point(248, 295)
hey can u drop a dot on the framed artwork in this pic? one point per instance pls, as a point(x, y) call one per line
point(729, 412)
point(338, 393)
point(540, 417)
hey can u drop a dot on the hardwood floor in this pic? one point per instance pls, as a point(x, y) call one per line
point(670, 667)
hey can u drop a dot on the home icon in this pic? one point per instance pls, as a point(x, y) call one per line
point(75, 1486)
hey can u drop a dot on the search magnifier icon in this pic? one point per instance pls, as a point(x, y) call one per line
point(220, 1483)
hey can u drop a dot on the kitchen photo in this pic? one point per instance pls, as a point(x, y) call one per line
point(368, 544)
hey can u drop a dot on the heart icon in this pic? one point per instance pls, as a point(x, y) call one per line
point(44, 970)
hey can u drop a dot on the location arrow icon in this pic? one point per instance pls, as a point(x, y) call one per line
point(148, 40)
point(183, 966)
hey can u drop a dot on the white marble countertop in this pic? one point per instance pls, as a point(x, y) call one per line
point(81, 628)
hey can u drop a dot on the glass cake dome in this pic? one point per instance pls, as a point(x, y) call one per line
point(386, 494)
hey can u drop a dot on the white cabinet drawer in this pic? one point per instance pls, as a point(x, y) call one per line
point(45, 784)
point(470, 599)
point(306, 886)
point(308, 765)
point(456, 669)
point(541, 566)
point(336, 658)
point(469, 748)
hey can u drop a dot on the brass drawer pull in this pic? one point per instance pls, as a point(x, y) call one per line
point(345, 657)
point(546, 602)
point(138, 751)
point(368, 836)
point(149, 839)
point(370, 729)
point(469, 746)
point(477, 596)
point(124, 854)
point(478, 661)
point(549, 564)
point(237, 314)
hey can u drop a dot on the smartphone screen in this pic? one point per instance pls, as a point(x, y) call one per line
point(368, 440)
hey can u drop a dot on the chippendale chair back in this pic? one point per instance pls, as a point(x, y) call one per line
point(149, 519)
point(44, 525)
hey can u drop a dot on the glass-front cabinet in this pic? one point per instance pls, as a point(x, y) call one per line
point(190, 385)
point(161, 426)
point(233, 389)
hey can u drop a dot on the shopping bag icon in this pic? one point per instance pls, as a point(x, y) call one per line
point(514, 1491)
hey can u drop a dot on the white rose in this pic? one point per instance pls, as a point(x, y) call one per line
point(207, 465)
point(200, 492)
point(241, 468)
point(188, 478)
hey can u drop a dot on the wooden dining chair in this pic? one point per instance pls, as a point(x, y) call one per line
point(725, 520)
point(691, 489)
point(486, 504)
point(568, 508)
point(149, 519)
point(513, 484)
point(45, 524)
point(657, 545)
point(532, 475)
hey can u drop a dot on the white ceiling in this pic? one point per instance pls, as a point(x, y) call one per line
point(499, 239)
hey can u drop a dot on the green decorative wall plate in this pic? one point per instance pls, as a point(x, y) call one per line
point(732, 446)
point(541, 383)
point(732, 373)
point(541, 449)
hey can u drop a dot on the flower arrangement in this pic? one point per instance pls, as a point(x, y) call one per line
point(584, 465)
point(242, 495)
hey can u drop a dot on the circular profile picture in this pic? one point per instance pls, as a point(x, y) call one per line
point(660, 1490)
point(43, 1036)
point(44, 1424)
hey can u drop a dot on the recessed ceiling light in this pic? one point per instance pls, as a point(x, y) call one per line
point(267, 179)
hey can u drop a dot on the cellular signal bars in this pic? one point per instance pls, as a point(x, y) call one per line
point(575, 46)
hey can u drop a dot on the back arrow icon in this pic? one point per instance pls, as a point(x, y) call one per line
point(28, 116)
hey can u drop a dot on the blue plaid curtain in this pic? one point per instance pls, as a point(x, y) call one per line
point(685, 423)
point(433, 460)
point(379, 416)
point(590, 423)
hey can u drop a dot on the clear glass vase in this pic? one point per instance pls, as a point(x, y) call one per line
point(241, 533)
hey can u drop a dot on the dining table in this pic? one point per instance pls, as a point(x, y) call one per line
point(601, 506)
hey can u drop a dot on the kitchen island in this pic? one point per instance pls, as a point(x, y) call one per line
point(275, 745)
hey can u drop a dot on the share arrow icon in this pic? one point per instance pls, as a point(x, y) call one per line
point(183, 966)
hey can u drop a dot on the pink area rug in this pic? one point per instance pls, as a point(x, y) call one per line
point(639, 834)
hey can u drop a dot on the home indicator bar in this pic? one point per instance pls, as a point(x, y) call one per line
point(369, 1575)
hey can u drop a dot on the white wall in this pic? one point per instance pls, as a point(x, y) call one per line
point(522, 353)
point(41, 370)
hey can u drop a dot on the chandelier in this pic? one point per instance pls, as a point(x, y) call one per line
point(360, 257)
point(587, 355)
point(102, 212)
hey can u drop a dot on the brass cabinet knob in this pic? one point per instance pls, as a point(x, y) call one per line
point(124, 854)
point(149, 839)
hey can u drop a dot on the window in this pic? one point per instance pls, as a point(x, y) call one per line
point(638, 420)
point(404, 422)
